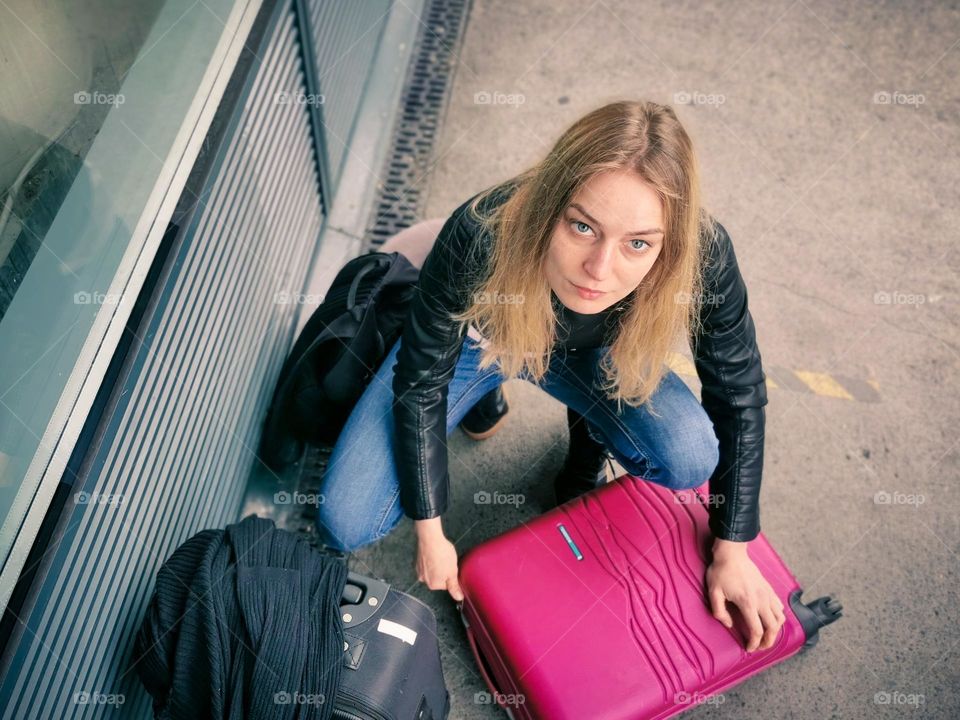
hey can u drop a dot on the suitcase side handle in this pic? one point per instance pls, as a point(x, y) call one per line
point(485, 671)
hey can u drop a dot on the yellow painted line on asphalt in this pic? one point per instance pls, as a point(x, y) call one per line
point(823, 384)
point(839, 387)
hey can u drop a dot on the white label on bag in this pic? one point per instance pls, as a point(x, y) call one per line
point(401, 632)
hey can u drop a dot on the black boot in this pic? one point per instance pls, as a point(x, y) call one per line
point(585, 467)
point(487, 416)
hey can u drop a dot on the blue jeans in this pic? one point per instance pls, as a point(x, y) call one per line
point(678, 449)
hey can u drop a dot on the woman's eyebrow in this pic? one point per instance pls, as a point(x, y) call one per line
point(649, 231)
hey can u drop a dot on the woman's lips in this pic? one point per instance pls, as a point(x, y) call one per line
point(587, 294)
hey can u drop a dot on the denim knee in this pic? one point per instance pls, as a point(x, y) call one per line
point(695, 456)
point(686, 460)
point(693, 464)
point(342, 533)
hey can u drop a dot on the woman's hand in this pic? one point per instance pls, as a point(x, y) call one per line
point(732, 576)
point(437, 558)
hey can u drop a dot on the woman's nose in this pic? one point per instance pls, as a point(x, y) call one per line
point(600, 262)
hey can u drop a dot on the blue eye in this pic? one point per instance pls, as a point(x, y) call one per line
point(640, 249)
point(576, 223)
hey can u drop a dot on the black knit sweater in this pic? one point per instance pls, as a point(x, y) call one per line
point(244, 623)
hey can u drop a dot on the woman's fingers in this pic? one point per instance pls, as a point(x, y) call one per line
point(770, 624)
point(778, 607)
point(754, 625)
point(719, 607)
point(453, 586)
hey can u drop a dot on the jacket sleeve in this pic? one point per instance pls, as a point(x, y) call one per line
point(734, 393)
point(429, 349)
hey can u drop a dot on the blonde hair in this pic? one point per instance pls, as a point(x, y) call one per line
point(639, 136)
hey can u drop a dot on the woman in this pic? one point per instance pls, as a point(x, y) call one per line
point(577, 275)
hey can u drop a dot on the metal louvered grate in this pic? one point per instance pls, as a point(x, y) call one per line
point(345, 37)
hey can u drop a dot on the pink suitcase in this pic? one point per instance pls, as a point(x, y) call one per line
point(597, 609)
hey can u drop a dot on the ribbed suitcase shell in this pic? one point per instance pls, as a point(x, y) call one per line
point(625, 632)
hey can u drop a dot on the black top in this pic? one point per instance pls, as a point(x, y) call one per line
point(580, 331)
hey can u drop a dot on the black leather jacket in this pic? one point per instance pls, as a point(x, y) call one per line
point(726, 357)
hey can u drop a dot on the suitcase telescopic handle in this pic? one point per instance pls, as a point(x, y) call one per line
point(361, 598)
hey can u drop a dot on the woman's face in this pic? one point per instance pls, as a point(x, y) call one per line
point(607, 240)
